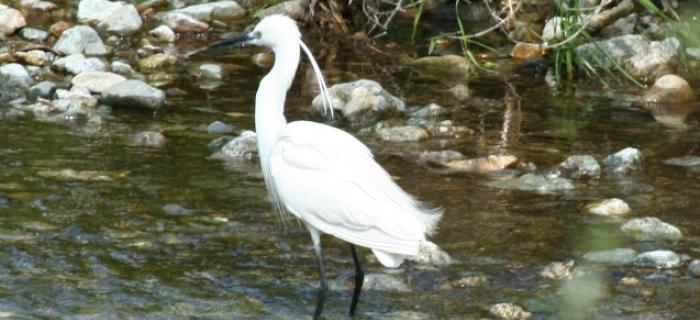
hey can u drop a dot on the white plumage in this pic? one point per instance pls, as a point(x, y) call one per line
point(325, 176)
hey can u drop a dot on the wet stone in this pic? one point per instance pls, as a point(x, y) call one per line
point(10, 20)
point(430, 254)
point(448, 68)
point(85, 175)
point(663, 259)
point(157, 61)
point(509, 311)
point(580, 166)
point(97, 81)
point(80, 39)
point(173, 209)
point(694, 268)
point(558, 270)
point(134, 94)
point(618, 256)
point(14, 81)
point(669, 88)
point(77, 63)
point(533, 182)
point(482, 165)
point(210, 72)
point(651, 229)
point(625, 160)
point(460, 92)
point(687, 161)
point(403, 134)
point(149, 139)
point(360, 98)
point(218, 127)
point(384, 282)
point(608, 207)
point(440, 157)
point(122, 68)
point(241, 148)
point(163, 33)
point(33, 34)
point(430, 111)
point(181, 22)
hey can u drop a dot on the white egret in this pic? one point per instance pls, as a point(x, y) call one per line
point(325, 176)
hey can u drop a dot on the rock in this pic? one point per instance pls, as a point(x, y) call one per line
point(608, 207)
point(447, 68)
point(445, 128)
point(618, 256)
point(163, 33)
point(430, 254)
point(117, 17)
point(694, 268)
point(482, 165)
point(181, 22)
point(460, 92)
point(10, 20)
point(693, 53)
point(669, 88)
point(524, 31)
point(14, 81)
point(533, 182)
point(87, 175)
point(625, 160)
point(650, 228)
point(157, 61)
point(440, 157)
point(403, 134)
point(558, 270)
point(580, 166)
point(80, 39)
point(44, 89)
point(264, 59)
point(509, 311)
point(122, 68)
point(77, 63)
point(360, 99)
point(553, 30)
point(384, 282)
point(687, 161)
point(33, 34)
point(662, 259)
point(210, 72)
point(218, 10)
point(173, 209)
point(97, 81)
point(59, 27)
point(242, 148)
point(134, 94)
point(643, 59)
point(629, 281)
point(430, 111)
point(292, 9)
point(620, 27)
point(218, 127)
point(43, 6)
point(149, 139)
point(527, 51)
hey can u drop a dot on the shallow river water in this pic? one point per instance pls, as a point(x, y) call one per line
point(107, 248)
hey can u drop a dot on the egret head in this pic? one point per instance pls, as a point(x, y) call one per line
point(269, 32)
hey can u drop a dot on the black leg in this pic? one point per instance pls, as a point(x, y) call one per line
point(359, 279)
point(323, 287)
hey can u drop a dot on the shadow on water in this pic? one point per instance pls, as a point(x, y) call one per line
point(90, 248)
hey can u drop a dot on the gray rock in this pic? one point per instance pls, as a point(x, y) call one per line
point(218, 10)
point(292, 9)
point(384, 282)
point(662, 259)
point(430, 254)
point(134, 94)
point(122, 68)
point(210, 72)
point(608, 207)
point(687, 161)
point(650, 228)
point(10, 20)
point(44, 89)
point(360, 99)
point(173, 209)
point(553, 30)
point(509, 311)
point(694, 268)
point(620, 27)
point(14, 81)
point(149, 139)
point(618, 256)
point(163, 33)
point(580, 166)
point(80, 39)
point(558, 270)
point(533, 182)
point(218, 127)
point(181, 22)
point(441, 157)
point(460, 92)
point(693, 53)
point(403, 134)
point(644, 59)
point(78, 63)
point(430, 111)
point(241, 148)
point(117, 16)
point(97, 81)
point(33, 34)
point(625, 160)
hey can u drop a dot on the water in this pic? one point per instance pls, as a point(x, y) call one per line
point(85, 249)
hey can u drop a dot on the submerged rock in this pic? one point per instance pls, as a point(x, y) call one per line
point(441, 157)
point(625, 160)
point(210, 71)
point(403, 134)
point(117, 16)
point(10, 21)
point(580, 166)
point(650, 228)
point(694, 268)
point(97, 81)
point(558, 270)
point(669, 88)
point(241, 148)
point(85, 175)
point(156, 62)
point(618, 256)
point(430, 111)
point(360, 99)
point(460, 92)
point(663, 259)
point(218, 127)
point(482, 165)
point(384, 282)
point(430, 254)
point(687, 161)
point(447, 68)
point(608, 207)
point(80, 39)
point(533, 182)
point(134, 94)
point(509, 311)
point(149, 139)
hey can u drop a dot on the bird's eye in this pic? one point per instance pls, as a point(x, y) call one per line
point(257, 34)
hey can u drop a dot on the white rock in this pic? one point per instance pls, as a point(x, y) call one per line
point(117, 17)
point(10, 20)
point(663, 259)
point(97, 81)
point(163, 33)
point(77, 63)
point(650, 228)
point(210, 71)
point(219, 10)
point(608, 207)
point(80, 39)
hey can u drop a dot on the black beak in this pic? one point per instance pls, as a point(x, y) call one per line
point(240, 38)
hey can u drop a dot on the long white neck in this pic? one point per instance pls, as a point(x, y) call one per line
point(269, 101)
